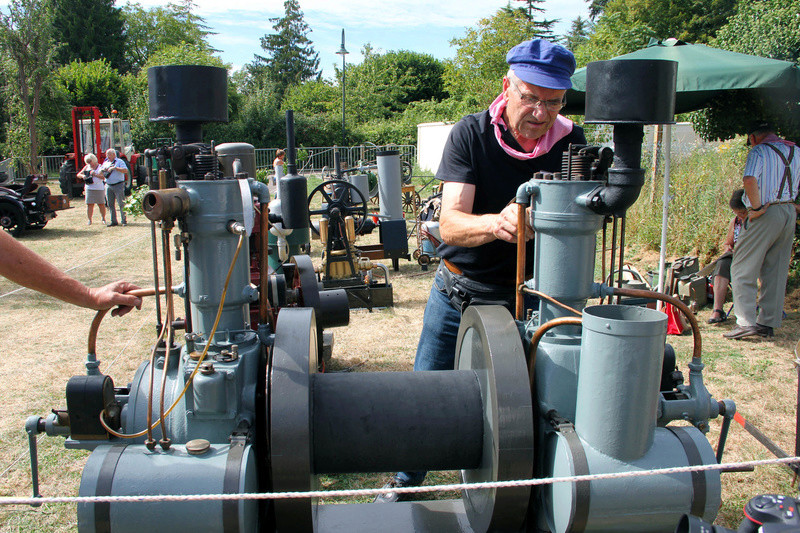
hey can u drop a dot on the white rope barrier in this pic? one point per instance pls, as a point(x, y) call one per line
point(400, 490)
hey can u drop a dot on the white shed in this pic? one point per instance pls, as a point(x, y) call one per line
point(431, 137)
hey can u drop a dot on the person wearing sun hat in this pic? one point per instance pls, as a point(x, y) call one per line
point(486, 157)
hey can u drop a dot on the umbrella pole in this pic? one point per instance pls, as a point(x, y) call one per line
point(662, 260)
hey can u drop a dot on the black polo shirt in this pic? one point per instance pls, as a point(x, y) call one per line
point(472, 155)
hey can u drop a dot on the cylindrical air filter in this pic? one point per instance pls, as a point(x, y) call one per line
point(360, 182)
point(188, 96)
point(637, 91)
point(390, 184)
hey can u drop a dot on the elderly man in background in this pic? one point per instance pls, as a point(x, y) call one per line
point(487, 156)
point(762, 253)
point(115, 170)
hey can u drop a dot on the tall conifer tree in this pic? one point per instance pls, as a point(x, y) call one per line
point(90, 30)
point(289, 57)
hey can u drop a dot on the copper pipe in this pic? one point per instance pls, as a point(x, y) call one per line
point(621, 253)
point(537, 336)
point(528, 290)
point(613, 251)
point(102, 313)
point(603, 254)
point(156, 282)
point(521, 234)
point(165, 241)
point(641, 293)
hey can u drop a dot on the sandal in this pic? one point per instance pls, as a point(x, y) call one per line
point(717, 316)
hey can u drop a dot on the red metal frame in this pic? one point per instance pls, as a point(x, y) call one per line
point(78, 114)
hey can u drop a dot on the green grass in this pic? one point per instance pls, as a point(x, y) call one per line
point(701, 185)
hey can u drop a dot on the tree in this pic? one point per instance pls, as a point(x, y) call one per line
point(578, 34)
point(90, 30)
point(313, 97)
point(540, 29)
point(290, 57)
point(475, 74)
point(768, 28)
point(385, 84)
point(614, 34)
point(151, 30)
point(596, 8)
point(93, 84)
point(26, 41)
point(694, 21)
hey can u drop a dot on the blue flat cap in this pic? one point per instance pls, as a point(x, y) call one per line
point(542, 63)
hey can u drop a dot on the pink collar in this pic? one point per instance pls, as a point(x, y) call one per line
point(560, 129)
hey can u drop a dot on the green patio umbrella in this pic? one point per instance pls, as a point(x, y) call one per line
point(703, 72)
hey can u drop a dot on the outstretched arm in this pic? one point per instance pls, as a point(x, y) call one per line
point(21, 265)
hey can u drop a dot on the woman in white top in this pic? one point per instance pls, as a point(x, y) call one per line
point(94, 187)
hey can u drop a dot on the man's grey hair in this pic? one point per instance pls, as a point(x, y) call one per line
point(111, 151)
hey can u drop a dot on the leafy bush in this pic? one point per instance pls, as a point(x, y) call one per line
point(133, 203)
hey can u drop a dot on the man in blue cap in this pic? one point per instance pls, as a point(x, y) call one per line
point(487, 156)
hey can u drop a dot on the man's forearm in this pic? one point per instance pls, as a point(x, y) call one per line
point(465, 229)
point(22, 266)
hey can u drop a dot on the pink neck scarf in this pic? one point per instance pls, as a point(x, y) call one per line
point(772, 138)
point(560, 129)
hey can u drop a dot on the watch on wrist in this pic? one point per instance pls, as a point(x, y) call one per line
point(758, 208)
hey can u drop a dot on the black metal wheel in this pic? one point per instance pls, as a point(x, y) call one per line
point(406, 170)
point(342, 200)
point(411, 203)
point(66, 175)
point(141, 175)
point(12, 218)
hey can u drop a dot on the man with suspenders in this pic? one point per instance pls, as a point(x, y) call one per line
point(763, 251)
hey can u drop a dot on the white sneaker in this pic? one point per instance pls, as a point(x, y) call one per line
point(89, 223)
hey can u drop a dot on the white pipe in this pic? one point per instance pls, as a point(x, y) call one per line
point(662, 260)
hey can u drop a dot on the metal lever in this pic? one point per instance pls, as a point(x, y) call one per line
point(33, 426)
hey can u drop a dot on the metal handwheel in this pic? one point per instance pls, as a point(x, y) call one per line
point(344, 200)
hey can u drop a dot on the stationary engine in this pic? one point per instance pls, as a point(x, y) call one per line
point(559, 391)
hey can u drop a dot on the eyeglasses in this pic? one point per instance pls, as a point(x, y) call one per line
point(528, 100)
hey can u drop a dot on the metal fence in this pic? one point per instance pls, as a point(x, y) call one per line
point(314, 159)
point(15, 169)
point(311, 159)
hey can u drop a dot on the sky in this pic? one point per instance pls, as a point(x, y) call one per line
point(417, 25)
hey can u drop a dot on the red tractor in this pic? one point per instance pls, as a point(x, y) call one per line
point(92, 134)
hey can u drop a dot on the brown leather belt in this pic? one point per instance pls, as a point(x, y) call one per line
point(452, 268)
